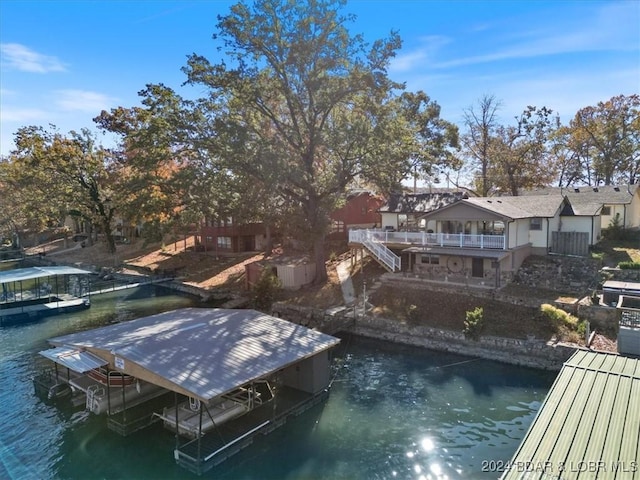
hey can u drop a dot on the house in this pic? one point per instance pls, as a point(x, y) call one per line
point(621, 201)
point(483, 240)
point(403, 211)
point(226, 236)
point(359, 211)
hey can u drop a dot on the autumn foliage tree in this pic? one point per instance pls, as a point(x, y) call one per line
point(609, 134)
point(64, 174)
point(319, 103)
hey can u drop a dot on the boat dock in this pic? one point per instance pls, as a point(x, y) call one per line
point(215, 377)
point(31, 293)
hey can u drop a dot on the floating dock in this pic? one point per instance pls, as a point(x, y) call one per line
point(204, 360)
point(30, 293)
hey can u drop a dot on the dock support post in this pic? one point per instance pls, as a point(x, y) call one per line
point(200, 439)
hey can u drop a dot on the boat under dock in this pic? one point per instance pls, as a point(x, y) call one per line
point(205, 357)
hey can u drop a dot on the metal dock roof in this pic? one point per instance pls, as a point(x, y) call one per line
point(203, 352)
point(74, 359)
point(21, 274)
point(589, 424)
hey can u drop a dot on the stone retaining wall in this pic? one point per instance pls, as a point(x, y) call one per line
point(621, 275)
point(470, 291)
point(600, 317)
point(530, 353)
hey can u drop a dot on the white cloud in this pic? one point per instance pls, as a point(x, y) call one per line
point(83, 101)
point(19, 57)
point(607, 27)
point(424, 53)
point(22, 115)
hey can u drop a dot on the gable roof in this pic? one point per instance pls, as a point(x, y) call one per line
point(603, 195)
point(581, 209)
point(420, 202)
point(204, 351)
point(520, 207)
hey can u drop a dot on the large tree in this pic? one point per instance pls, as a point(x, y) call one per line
point(520, 157)
point(481, 122)
point(68, 173)
point(610, 134)
point(318, 103)
point(167, 179)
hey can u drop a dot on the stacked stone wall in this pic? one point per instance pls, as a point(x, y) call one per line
point(530, 353)
point(533, 353)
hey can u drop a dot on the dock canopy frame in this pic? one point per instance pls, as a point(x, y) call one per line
point(74, 359)
point(30, 273)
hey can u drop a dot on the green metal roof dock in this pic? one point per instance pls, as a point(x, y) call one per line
point(589, 424)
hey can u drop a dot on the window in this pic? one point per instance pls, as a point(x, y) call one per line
point(224, 242)
point(606, 210)
point(430, 259)
point(337, 226)
point(535, 224)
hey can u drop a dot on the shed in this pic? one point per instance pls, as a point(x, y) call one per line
point(588, 425)
point(293, 272)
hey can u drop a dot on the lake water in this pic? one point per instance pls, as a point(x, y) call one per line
point(394, 412)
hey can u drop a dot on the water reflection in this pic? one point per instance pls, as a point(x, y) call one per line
point(394, 412)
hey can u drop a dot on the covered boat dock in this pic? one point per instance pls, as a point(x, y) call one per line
point(204, 360)
point(34, 292)
point(588, 426)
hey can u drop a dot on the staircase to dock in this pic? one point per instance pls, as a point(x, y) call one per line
point(378, 250)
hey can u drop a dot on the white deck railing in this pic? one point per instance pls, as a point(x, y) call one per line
point(378, 249)
point(453, 240)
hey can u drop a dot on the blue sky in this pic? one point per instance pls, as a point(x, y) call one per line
point(62, 62)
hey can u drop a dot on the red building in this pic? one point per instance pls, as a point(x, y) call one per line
point(360, 211)
point(226, 237)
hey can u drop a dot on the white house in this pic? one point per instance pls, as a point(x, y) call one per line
point(622, 201)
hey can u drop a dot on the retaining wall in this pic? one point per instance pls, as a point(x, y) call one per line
point(530, 353)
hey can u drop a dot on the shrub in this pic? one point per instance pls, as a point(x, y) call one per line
point(582, 328)
point(629, 265)
point(558, 317)
point(412, 312)
point(474, 322)
point(266, 290)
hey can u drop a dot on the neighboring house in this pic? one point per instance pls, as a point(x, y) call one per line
point(228, 237)
point(484, 240)
point(404, 211)
point(615, 200)
point(359, 211)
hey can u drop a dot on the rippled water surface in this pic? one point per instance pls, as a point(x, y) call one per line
point(393, 412)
